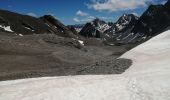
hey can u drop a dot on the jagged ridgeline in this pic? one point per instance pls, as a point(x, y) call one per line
point(130, 28)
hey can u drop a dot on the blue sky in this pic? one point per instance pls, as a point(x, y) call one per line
point(78, 11)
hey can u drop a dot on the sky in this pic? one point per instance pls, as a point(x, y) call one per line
point(78, 11)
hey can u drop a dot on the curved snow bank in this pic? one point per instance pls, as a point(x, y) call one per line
point(152, 56)
point(147, 79)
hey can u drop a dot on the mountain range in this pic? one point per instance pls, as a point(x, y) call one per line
point(128, 29)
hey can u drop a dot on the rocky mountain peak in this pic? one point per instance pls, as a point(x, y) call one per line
point(125, 20)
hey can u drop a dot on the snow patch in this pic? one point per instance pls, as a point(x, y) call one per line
point(81, 42)
point(103, 27)
point(6, 28)
point(20, 34)
point(29, 28)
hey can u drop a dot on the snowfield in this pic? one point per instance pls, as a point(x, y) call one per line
point(147, 79)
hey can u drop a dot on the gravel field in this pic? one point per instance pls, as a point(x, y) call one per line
point(50, 55)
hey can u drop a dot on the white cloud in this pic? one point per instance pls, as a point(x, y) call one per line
point(106, 18)
point(117, 5)
point(90, 18)
point(80, 13)
point(76, 20)
point(85, 19)
point(32, 14)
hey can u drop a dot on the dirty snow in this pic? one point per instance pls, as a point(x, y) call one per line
point(147, 79)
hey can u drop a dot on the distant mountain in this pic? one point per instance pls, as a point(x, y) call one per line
point(73, 29)
point(121, 29)
point(94, 28)
point(22, 24)
point(111, 33)
point(129, 28)
point(77, 27)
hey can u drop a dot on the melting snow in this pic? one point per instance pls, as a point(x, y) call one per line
point(6, 28)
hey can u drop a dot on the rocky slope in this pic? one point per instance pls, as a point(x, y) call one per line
point(52, 55)
point(153, 21)
point(120, 31)
point(22, 24)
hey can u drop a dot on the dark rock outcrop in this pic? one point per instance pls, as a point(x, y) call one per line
point(153, 21)
point(95, 28)
point(56, 26)
point(120, 31)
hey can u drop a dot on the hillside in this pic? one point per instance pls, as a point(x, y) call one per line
point(19, 24)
